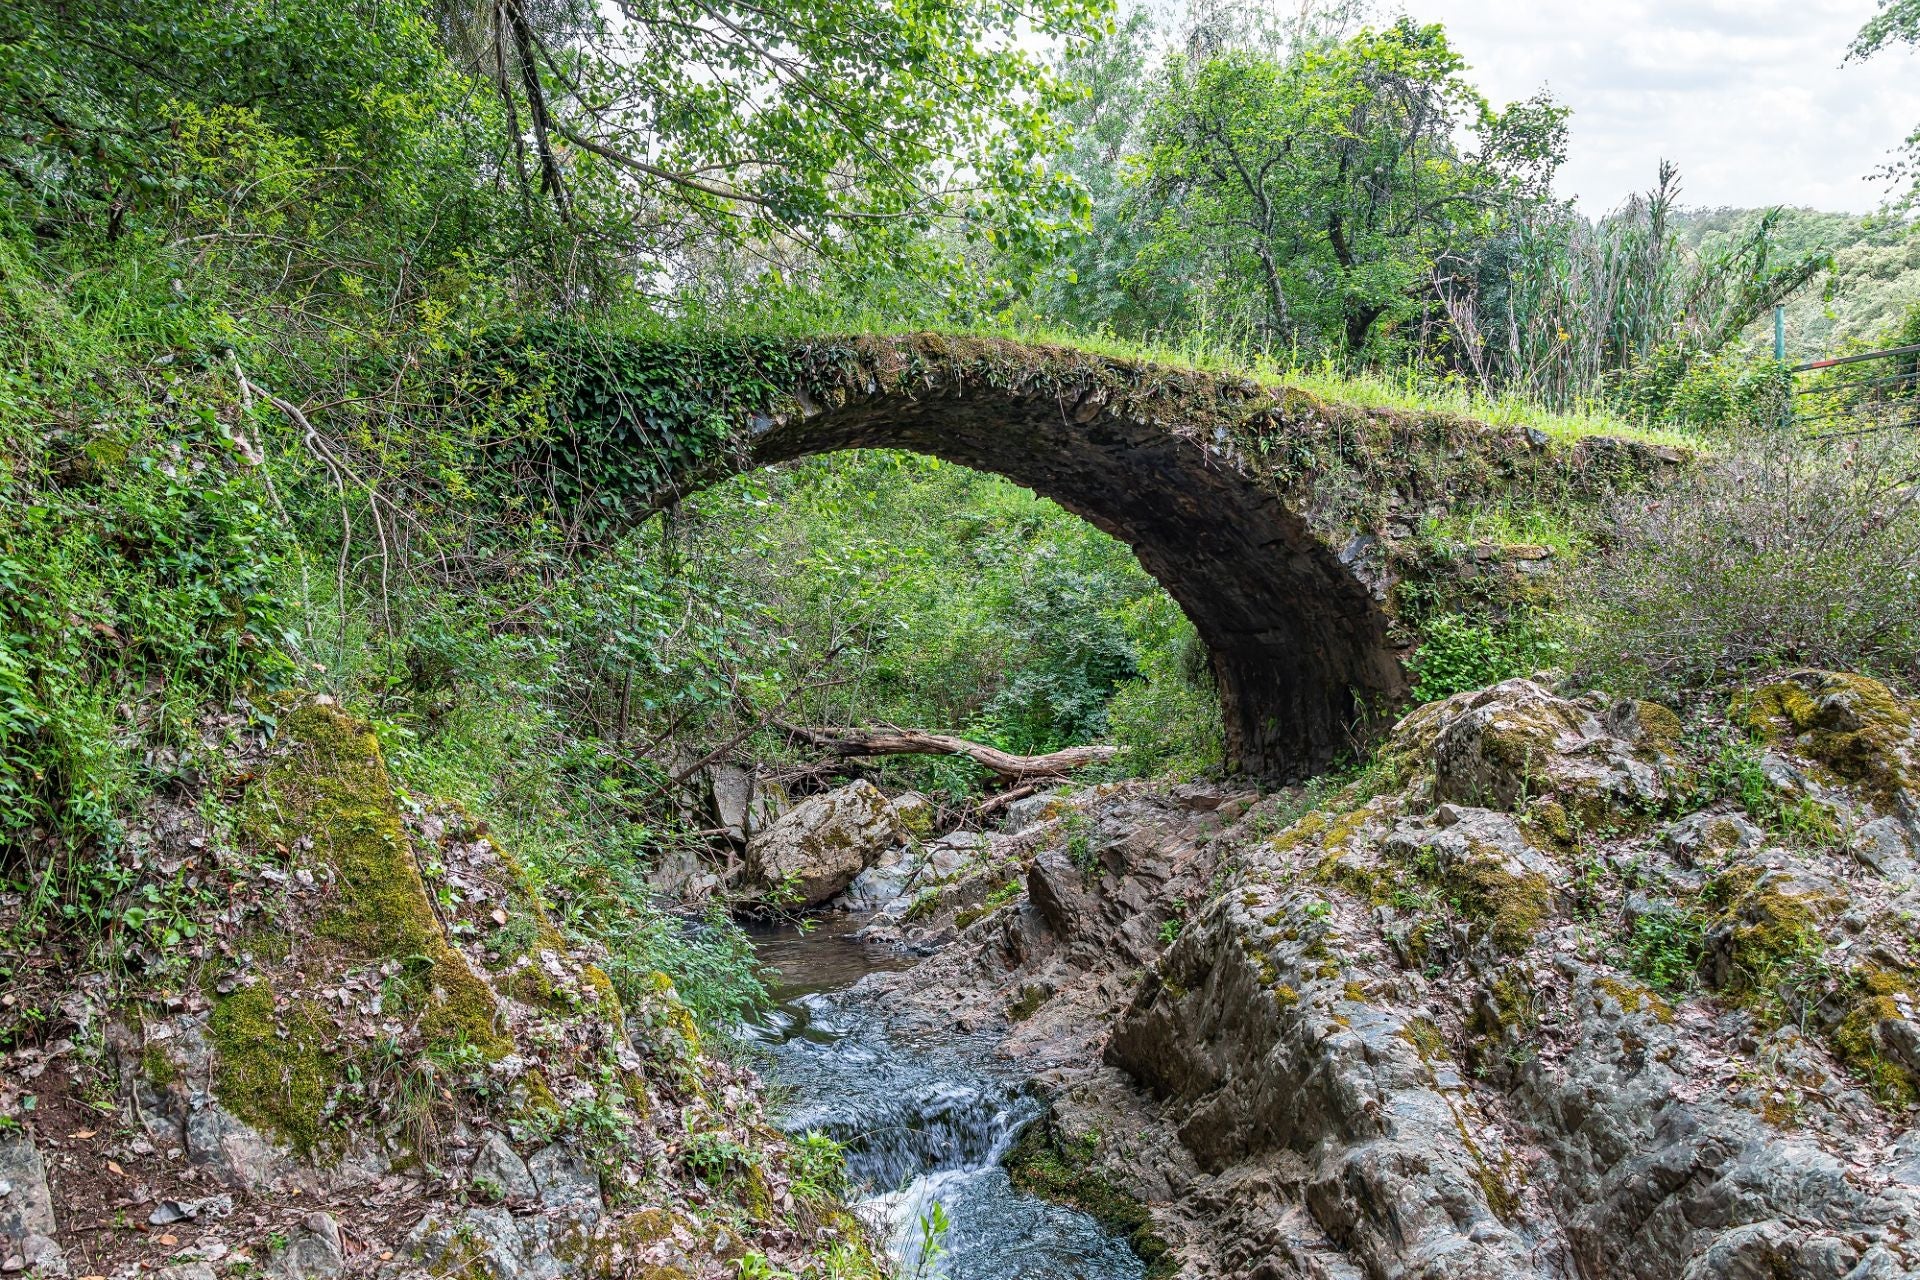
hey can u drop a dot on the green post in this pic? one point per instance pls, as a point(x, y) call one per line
point(1780, 357)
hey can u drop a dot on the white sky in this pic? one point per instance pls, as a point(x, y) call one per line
point(1748, 97)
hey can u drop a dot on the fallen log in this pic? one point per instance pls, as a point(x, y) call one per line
point(1004, 765)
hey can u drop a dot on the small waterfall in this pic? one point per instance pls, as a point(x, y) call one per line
point(926, 1125)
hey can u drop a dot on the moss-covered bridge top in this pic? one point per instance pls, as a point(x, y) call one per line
point(1280, 521)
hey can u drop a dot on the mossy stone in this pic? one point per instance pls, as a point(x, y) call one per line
point(333, 786)
point(275, 1069)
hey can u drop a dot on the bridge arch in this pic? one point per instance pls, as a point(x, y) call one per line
point(1301, 651)
point(1269, 516)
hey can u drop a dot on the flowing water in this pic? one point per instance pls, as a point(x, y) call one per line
point(924, 1124)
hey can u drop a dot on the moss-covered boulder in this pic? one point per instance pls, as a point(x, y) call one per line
point(1517, 745)
point(1852, 725)
point(330, 792)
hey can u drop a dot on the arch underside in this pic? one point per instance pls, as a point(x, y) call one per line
point(1300, 649)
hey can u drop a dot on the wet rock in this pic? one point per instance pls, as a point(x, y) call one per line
point(815, 851)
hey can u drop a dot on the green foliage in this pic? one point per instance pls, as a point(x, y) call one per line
point(1319, 188)
point(1665, 947)
point(1722, 393)
point(1166, 722)
point(1898, 22)
point(795, 129)
point(893, 588)
point(140, 566)
point(1457, 654)
point(819, 1166)
point(1733, 769)
point(1559, 309)
point(1874, 279)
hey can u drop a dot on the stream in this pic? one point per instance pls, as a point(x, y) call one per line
point(924, 1123)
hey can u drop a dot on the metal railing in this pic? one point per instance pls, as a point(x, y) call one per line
point(1841, 402)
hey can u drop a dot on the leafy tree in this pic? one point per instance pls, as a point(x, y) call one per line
point(1307, 198)
point(783, 122)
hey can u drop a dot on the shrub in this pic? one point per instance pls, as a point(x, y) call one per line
point(1166, 722)
point(1786, 553)
point(1677, 383)
point(1458, 653)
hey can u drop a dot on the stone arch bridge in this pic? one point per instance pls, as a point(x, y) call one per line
point(1281, 523)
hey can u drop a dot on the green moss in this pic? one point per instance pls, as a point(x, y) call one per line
point(1424, 1035)
point(675, 1014)
point(1873, 997)
point(333, 786)
point(1632, 997)
point(1042, 1163)
point(1548, 825)
point(997, 899)
point(1773, 930)
point(1510, 904)
point(1304, 830)
point(1500, 1197)
point(1663, 728)
point(1853, 725)
point(1027, 1003)
point(157, 1067)
point(539, 1099)
point(274, 1068)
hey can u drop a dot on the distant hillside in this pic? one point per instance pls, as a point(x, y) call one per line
point(1875, 280)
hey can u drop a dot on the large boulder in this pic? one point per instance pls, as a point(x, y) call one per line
point(814, 852)
point(1515, 743)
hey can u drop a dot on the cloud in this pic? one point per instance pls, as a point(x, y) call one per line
point(1749, 97)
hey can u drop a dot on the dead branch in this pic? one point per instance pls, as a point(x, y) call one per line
point(1004, 765)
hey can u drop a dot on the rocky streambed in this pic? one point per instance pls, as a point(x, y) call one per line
point(927, 1119)
point(1561, 986)
point(1558, 986)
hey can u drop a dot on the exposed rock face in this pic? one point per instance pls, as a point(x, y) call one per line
point(814, 852)
point(1546, 1006)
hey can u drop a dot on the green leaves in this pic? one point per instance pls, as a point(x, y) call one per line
point(1304, 200)
point(816, 127)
